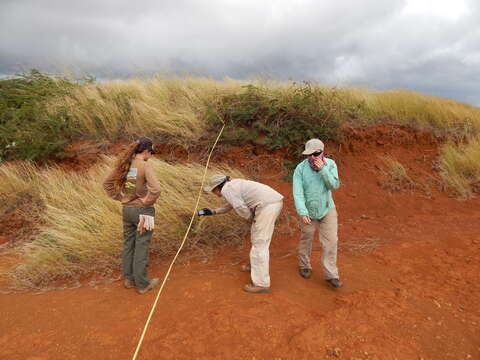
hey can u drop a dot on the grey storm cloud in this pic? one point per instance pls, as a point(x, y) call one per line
point(424, 45)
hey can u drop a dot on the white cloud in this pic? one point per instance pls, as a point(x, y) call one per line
point(446, 9)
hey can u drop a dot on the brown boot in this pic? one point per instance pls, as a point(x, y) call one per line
point(154, 282)
point(253, 289)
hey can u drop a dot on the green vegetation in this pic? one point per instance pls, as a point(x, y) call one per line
point(289, 167)
point(27, 131)
point(283, 117)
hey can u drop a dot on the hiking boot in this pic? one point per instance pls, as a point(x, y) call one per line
point(128, 284)
point(305, 273)
point(245, 268)
point(335, 283)
point(253, 289)
point(153, 283)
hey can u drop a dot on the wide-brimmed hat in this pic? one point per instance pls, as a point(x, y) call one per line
point(214, 181)
point(313, 145)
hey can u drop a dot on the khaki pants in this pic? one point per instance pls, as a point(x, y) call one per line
point(328, 239)
point(261, 235)
point(136, 246)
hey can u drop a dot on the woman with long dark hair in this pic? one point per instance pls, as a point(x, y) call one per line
point(133, 183)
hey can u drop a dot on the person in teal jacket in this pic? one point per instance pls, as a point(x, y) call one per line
point(314, 180)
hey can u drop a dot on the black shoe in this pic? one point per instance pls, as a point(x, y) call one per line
point(305, 273)
point(335, 283)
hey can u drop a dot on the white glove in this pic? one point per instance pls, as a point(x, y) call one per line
point(145, 223)
point(149, 222)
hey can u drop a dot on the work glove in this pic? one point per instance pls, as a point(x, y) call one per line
point(145, 223)
point(206, 212)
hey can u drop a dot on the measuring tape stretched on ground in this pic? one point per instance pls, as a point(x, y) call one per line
point(180, 248)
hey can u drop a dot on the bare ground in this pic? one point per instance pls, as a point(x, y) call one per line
point(409, 261)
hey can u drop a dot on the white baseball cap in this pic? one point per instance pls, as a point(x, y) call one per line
point(313, 145)
point(214, 181)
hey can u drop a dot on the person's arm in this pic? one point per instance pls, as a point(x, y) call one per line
point(153, 186)
point(298, 194)
point(109, 187)
point(222, 210)
point(329, 174)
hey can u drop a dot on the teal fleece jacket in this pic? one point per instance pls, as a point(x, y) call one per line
point(312, 190)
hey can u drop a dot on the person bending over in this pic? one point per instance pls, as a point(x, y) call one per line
point(260, 204)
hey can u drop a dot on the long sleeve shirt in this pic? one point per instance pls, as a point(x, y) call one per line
point(245, 197)
point(141, 182)
point(312, 190)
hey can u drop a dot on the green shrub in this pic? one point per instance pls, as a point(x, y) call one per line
point(283, 117)
point(289, 167)
point(26, 130)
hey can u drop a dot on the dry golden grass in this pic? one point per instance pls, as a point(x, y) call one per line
point(178, 108)
point(83, 227)
point(411, 108)
point(157, 106)
point(460, 166)
point(17, 178)
point(397, 177)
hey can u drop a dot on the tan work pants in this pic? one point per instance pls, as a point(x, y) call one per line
point(328, 236)
point(261, 235)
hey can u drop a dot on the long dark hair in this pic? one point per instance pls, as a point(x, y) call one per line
point(125, 159)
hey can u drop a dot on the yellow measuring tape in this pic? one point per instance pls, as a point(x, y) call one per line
point(179, 249)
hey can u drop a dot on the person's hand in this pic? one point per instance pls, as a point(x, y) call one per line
point(140, 225)
point(149, 223)
point(306, 220)
point(143, 200)
point(145, 223)
point(319, 163)
point(206, 212)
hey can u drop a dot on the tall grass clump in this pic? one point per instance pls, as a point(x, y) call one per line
point(27, 131)
point(397, 178)
point(17, 187)
point(460, 167)
point(17, 178)
point(445, 117)
point(83, 227)
point(163, 108)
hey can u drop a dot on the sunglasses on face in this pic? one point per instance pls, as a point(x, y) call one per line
point(315, 154)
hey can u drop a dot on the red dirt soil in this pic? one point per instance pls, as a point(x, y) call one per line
point(408, 259)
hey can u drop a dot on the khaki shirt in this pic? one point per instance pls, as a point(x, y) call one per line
point(246, 197)
point(141, 183)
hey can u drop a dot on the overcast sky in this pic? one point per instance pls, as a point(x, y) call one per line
point(431, 46)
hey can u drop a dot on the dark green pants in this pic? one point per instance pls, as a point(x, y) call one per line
point(136, 246)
